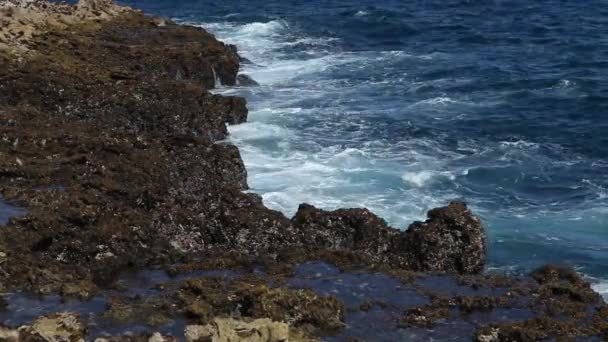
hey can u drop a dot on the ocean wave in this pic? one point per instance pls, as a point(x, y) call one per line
point(521, 144)
point(256, 130)
point(598, 285)
point(263, 29)
point(423, 178)
point(417, 178)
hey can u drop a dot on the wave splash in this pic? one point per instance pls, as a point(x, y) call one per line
point(329, 127)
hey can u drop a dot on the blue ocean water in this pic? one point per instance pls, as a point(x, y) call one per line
point(401, 106)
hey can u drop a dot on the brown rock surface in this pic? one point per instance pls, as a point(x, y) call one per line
point(229, 330)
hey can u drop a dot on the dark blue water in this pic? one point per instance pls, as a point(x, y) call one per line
point(400, 106)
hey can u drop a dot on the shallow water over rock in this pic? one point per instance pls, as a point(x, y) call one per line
point(7, 211)
point(356, 289)
point(377, 305)
point(377, 302)
point(24, 308)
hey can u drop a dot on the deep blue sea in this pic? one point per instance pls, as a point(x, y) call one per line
point(401, 106)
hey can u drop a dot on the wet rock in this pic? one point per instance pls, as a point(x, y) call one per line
point(452, 239)
point(206, 298)
point(426, 316)
point(151, 311)
point(346, 229)
point(155, 337)
point(55, 328)
point(3, 303)
point(228, 329)
point(487, 335)
point(235, 50)
point(9, 335)
point(565, 308)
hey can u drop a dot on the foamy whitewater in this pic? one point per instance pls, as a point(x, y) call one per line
point(403, 107)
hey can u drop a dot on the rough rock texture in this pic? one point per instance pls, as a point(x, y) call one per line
point(451, 240)
point(63, 327)
point(228, 329)
point(557, 304)
point(112, 153)
point(206, 298)
point(155, 337)
point(22, 20)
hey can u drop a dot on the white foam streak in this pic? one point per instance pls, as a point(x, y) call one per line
point(601, 288)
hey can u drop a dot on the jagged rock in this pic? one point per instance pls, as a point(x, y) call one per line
point(155, 337)
point(9, 334)
point(206, 298)
point(65, 327)
point(487, 335)
point(561, 281)
point(231, 330)
point(345, 229)
point(235, 51)
point(451, 240)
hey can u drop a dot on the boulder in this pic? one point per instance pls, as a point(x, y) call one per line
point(452, 239)
point(232, 330)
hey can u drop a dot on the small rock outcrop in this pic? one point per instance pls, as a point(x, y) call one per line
point(232, 330)
point(451, 240)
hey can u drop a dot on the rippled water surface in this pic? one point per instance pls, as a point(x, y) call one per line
point(401, 106)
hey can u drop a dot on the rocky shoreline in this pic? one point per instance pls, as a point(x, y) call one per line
point(113, 147)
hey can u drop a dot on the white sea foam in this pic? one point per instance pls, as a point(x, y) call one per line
point(522, 144)
point(423, 178)
point(263, 29)
point(417, 178)
point(601, 287)
point(256, 130)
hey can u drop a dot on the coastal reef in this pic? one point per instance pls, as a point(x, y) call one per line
point(114, 152)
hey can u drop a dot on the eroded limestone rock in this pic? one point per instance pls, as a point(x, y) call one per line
point(232, 330)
